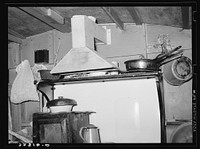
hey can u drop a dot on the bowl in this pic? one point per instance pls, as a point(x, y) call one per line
point(66, 108)
point(61, 105)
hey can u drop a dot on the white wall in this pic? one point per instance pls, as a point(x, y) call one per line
point(125, 45)
point(13, 55)
point(38, 42)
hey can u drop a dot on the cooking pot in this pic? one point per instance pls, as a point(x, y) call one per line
point(59, 105)
point(153, 64)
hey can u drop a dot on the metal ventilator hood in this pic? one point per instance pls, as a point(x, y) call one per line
point(82, 57)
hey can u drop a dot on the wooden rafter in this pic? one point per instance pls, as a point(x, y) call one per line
point(52, 14)
point(113, 15)
point(10, 31)
point(42, 16)
point(185, 17)
point(14, 39)
point(135, 16)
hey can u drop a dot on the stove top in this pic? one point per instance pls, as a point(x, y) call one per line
point(103, 76)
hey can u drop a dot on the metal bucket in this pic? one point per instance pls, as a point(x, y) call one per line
point(178, 71)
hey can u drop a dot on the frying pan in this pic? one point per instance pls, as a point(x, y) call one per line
point(153, 64)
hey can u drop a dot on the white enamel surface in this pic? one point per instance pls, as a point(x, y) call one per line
point(126, 111)
point(55, 109)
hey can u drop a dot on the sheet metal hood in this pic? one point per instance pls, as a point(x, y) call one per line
point(82, 57)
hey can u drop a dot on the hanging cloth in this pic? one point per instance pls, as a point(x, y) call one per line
point(23, 88)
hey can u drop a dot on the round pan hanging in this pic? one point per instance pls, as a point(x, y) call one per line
point(182, 134)
point(178, 71)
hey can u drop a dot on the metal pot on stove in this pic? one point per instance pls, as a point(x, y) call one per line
point(59, 105)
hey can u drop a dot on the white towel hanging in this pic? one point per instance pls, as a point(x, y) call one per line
point(23, 88)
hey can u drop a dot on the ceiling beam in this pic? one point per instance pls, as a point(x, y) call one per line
point(54, 15)
point(135, 15)
point(10, 31)
point(14, 39)
point(185, 17)
point(47, 19)
point(113, 15)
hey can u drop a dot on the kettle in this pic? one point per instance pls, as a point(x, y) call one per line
point(90, 134)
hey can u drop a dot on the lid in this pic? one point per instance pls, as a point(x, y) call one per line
point(61, 102)
point(91, 126)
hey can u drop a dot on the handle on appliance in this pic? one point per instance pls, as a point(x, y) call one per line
point(47, 98)
point(81, 132)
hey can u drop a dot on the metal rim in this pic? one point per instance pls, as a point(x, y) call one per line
point(61, 102)
point(175, 71)
point(141, 64)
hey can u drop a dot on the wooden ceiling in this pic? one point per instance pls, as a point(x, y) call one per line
point(28, 21)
